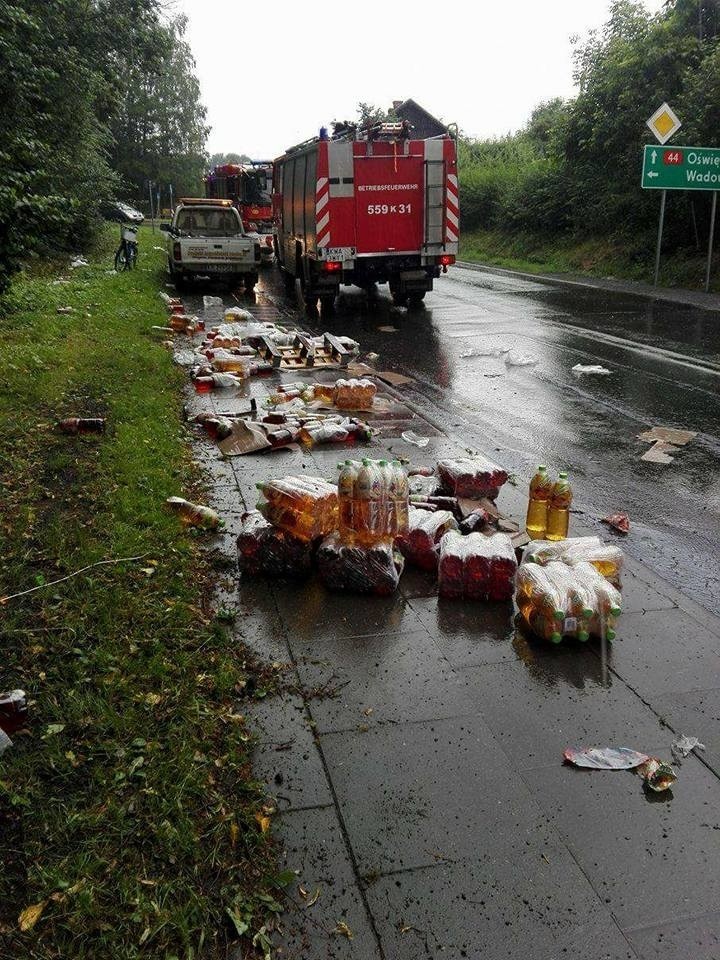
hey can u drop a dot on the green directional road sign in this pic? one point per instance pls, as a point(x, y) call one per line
point(681, 168)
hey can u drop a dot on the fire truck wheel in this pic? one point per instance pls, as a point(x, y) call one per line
point(399, 299)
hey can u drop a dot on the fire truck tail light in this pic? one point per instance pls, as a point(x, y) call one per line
point(331, 266)
point(177, 251)
point(446, 260)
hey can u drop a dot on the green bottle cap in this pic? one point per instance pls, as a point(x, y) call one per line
point(615, 611)
point(587, 612)
point(556, 638)
point(559, 615)
point(366, 461)
point(383, 463)
point(610, 634)
point(542, 467)
point(562, 476)
point(582, 635)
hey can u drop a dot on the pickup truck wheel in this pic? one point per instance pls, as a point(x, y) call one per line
point(250, 280)
point(179, 280)
point(415, 299)
point(327, 304)
point(288, 280)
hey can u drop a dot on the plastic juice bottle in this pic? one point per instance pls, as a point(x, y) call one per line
point(540, 487)
point(401, 507)
point(558, 514)
point(346, 498)
point(364, 513)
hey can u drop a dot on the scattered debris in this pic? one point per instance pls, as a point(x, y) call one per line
point(52, 583)
point(657, 774)
point(342, 929)
point(210, 302)
point(5, 741)
point(372, 357)
point(13, 712)
point(194, 514)
point(394, 379)
point(409, 436)
point(605, 758)
point(64, 310)
point(74, 425)
point(515, 359)
point(388, 329)
point(581, 368)
point(669, 434)
point(618, 521)
point(79, 262)
point(683, 747)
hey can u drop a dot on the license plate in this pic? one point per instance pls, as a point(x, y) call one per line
point(218, 267)
point(338, 254)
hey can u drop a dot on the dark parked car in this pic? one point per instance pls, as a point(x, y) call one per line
point(122, 212)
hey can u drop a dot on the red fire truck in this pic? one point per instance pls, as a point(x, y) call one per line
point(248, 185)
point(363, 207)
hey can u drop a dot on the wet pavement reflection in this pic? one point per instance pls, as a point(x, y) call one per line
point(665, 369)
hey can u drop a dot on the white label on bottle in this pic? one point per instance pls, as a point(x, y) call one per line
point(570, 625)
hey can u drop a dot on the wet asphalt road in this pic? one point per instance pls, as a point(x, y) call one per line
point(665, 369)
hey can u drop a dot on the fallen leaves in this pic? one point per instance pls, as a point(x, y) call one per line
point(30, 916)
point(309, 900)
point(343, 930)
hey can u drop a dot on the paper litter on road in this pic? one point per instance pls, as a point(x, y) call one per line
point(394, 379)
point(580, 368)
point(669, 434)
point(78, 262)
point(605, 758)
point(660, 452)
point(417, 441)
point(210, 302)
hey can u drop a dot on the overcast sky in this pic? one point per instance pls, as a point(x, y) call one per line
point(271, 74)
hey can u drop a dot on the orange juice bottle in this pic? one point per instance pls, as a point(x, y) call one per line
point(558, 515)
point(536, 522)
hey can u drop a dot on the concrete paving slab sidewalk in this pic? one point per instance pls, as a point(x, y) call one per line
point(426, 799)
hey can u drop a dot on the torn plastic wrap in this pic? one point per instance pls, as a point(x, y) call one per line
point(605, 557)
point(359, 569)
point(307, 507)
point(269, 551)
point(422, 486)
point(476, 567)
point(558, 600)
point(543, 605)
point(420, 545)
point(472, 477)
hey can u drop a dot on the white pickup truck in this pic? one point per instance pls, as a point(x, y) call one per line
point(207, 238)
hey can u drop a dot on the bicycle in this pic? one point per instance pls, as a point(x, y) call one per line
point(127, 252)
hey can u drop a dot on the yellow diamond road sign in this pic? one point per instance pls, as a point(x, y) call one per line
point(664, 123)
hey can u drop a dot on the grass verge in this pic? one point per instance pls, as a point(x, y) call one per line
point(127, 807)
point(593, 257)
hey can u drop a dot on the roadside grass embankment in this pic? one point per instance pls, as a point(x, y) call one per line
point(127, 807)
point(594, 257)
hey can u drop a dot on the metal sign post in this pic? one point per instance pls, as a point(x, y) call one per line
point(152, 209)
point(710, 241)
point(661, 224)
